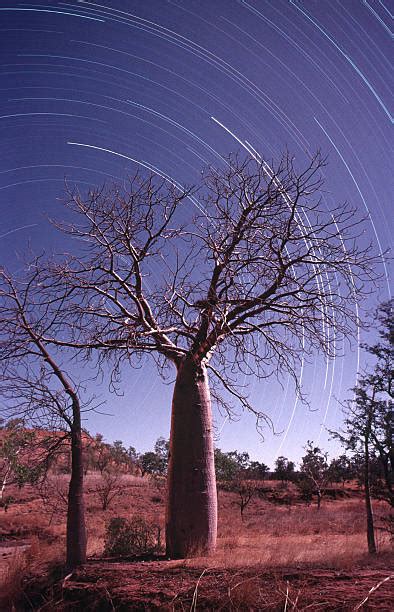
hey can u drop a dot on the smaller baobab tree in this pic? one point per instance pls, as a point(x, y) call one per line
point(249, 284)
point(36, 388)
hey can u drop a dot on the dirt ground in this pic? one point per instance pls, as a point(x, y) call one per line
point(278, 556)
point(167, 585)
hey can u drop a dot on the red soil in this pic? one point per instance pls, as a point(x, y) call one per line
point(167, 585)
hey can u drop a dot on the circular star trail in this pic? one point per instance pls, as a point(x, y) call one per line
point(90, 91)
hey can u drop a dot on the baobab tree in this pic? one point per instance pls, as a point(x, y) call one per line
point(35, 387)
point(248, 274)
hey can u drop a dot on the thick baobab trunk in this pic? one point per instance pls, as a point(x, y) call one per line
point(76, 528)
point(191, 519)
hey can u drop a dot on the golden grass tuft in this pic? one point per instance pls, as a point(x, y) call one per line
point(11, 579)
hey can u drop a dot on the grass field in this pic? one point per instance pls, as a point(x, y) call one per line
point(317, 546)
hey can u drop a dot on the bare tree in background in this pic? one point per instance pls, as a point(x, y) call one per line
point(314, 470)
point(245, 491)
point(36, 388)
point(245, 276)
point(109, 487)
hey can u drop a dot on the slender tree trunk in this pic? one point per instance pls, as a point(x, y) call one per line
point(76, 528)
point(191, 518)
point(318, 499)
point(4, 483)
point(368, 505)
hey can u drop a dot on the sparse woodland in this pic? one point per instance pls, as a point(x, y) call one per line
point(251, 281)
point(279, 527)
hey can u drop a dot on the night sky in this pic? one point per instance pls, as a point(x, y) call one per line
point(91, 91)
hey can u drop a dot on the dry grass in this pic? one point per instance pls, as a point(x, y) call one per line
point(19, 563)
point(336, 551)
point(271, 536)
point(11, 579)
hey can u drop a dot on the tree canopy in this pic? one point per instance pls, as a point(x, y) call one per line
point(249, 282)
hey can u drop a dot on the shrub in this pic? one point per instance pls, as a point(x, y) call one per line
point(306, 490)
point(133, 536)
point(388, 525)
point(6, 502)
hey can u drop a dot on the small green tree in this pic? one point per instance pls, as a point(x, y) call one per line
point(150, 463)
point(101, 455)
point(119, 454)
point(257, 471)
point(17, 465)
point(155, 462)
point(340, 469)
point(314, 470)
point(132, 457)
point(284, 469)
point(226, 466)
point(162, 449)
point(236, 465)
point(241, 459)
point(369, 422)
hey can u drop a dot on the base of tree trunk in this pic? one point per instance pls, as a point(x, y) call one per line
point(191, 519)
point(76, 539)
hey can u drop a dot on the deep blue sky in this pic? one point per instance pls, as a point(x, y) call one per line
point(90, 90)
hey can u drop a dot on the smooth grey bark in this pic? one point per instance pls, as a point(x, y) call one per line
point(76, 527)
point(191, 515)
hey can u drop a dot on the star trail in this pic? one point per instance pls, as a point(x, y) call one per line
point(92, 91)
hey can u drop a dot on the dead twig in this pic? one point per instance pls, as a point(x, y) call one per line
point(193, 607)
point(372, 590)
